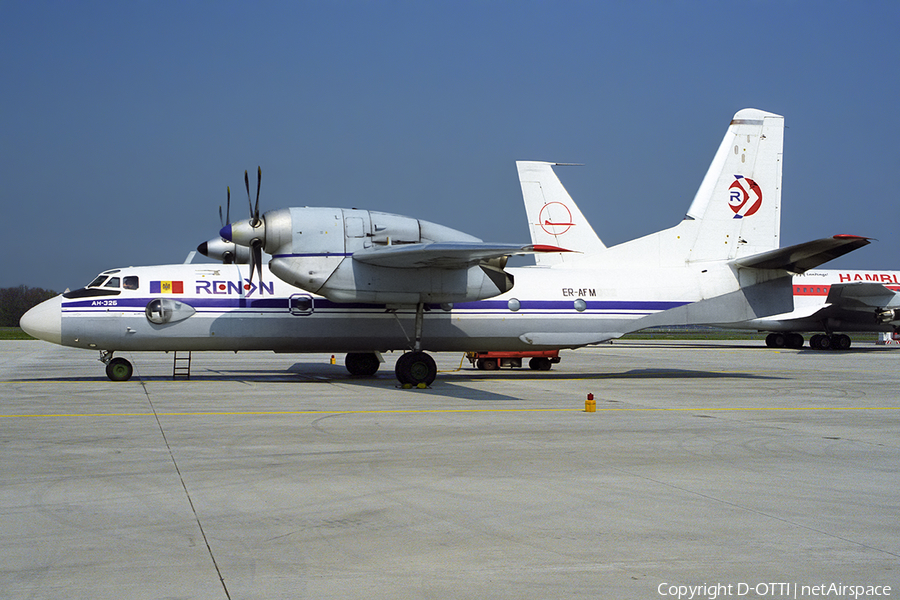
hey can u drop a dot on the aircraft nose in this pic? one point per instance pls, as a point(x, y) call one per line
point(44, 321)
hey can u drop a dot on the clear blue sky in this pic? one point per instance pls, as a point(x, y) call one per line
point(121, 123)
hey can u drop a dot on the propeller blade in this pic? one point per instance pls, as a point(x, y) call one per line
point(249, 200)
point(227, 220)
point(252, 263)
point(258, 184)
point(256, 259)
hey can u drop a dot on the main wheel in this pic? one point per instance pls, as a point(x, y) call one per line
point(794, 340)
point(415, 368)
point(119, 369)
point(362, 364)
point(822, 342)
point(775, 340)
point(840, 341)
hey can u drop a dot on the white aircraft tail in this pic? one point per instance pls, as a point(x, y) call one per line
point(553, 217)
point(737, 210)
point(735, 213)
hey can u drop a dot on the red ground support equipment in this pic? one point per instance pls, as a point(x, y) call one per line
point(489, 361)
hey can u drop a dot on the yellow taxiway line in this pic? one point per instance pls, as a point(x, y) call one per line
point(450, 411)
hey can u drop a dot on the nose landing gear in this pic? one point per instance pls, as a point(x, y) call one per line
point(117, 369)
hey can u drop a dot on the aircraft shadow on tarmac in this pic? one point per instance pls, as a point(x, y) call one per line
point(318, 373)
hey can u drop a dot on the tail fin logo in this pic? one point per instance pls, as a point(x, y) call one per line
point(745, 197)
point(555, 218)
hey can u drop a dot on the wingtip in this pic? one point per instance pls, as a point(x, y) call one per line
point(547, 248)
point(848, 236)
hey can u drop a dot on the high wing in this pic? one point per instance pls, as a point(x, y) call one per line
point(443, 255)
point(805, 256)
point(353, 255)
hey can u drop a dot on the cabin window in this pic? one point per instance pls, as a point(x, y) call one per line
point(131, 283)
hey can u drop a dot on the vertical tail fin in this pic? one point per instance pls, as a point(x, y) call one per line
point(737, 210)
point(553, 217)
point(735, 213)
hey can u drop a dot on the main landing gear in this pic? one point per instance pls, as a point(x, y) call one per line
point(413, 368)
point(362, 364)
point(835, 341)
point(416, 368)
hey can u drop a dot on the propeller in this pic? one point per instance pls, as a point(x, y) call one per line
point(220, 248)
point(227, 257)
point(255, 243)
point(227, 220)
point(250, 234)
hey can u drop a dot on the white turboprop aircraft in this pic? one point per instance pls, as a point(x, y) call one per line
point(832, 302)
point(365, 282)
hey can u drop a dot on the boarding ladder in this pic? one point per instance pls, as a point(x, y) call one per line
point(181, 365)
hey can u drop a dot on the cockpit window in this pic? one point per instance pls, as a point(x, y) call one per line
point(96, 288)
point(131, 283)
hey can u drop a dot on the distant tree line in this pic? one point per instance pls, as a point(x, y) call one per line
point(15, 302)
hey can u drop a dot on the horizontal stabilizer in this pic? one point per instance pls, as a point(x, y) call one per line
point(764, 299)
point(443, 255)
point(803, 257)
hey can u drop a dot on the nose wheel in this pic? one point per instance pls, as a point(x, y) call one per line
point(117, 369)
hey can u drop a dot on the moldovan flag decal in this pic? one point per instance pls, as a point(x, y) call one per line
point(166, 287)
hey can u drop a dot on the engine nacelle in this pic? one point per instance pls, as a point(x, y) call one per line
point(227, 252)
point(352, 281)
point(887, 315)
point(312, 249)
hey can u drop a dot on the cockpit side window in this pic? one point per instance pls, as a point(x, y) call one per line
point(113, 282)
point(131, 283)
